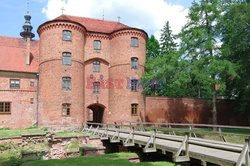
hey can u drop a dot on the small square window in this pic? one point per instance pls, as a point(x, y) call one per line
point(66, 109)
point(31, 100)
point(134, 42)
point(66, 60)
point(134, 63)
point(134, 109)
point(67, 35)
point(97, 45)
point(134, 85)
point(14, 83)
point(96, 87)
point(66, 83)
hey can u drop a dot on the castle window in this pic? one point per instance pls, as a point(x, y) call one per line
point(96, 87)
point(14, 83)
point(67, 35)
point(134, 63)
point(97, 45)
point(134, 85)
point(134, 109)
point(66, 109)
point(66, 58)
point(5, 107)
point(31, 100)
point(134, 42)
point(32, 83)
point(96, 66)
point(66, 83)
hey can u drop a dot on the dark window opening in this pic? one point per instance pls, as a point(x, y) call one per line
point(66, 109)
point(134, 109)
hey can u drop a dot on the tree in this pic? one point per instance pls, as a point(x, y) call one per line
point(200, 47)
point(235, 29)
point(153, 47)
point(167, 40)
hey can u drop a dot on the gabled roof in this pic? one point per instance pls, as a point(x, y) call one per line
point(13, 54)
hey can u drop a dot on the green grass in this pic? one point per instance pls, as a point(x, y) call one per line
point(10, 133)
point(72, 146)
point(114, 159)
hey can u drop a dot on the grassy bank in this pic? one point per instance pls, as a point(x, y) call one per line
point(114, 159)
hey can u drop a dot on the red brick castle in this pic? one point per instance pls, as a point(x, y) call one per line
point(80, 69)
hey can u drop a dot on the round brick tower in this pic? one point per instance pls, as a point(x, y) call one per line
point(61, 68)
point(123, 98)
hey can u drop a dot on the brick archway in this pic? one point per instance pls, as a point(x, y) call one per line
point(95, 113)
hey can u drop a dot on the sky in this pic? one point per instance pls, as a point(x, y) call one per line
point(150, 15)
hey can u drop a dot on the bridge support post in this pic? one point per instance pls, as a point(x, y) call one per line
point(245, 154)
point(178, 157)
point(151, 146)
point(130, 141)
point(104, 135)
point(116, 137)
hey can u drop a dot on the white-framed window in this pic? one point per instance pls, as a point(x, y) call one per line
point(96, 66)
point(67, 35)
point(134, 63)
point(66, 83)
point(97, 45)
point(15, 83)
point(134, 85)
point(134, 42)
point(66, 58)
point(96, 87)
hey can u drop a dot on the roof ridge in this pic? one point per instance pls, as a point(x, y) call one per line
point(96, 19)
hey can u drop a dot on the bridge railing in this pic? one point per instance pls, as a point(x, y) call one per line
point(225, 133)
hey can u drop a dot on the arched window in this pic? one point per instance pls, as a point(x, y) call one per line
point(134, 109)
point(96, 66)
point(66, 83)
point(66, 109)
point(66, 60)
point(134, 63)
point(67, 35)
point(134, 42)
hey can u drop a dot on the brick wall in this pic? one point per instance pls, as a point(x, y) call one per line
point(189, 110)
point(23, 112)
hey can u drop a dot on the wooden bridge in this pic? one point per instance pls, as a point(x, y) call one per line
point(182, 147)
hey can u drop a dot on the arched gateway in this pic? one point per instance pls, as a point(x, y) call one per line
point(95, 113)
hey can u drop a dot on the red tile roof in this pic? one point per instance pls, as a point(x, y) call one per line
point(13, 53)
point(94, 25)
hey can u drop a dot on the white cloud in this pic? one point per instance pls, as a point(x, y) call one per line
point(150, 15)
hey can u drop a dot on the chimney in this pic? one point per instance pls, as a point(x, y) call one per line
point(27, 36)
